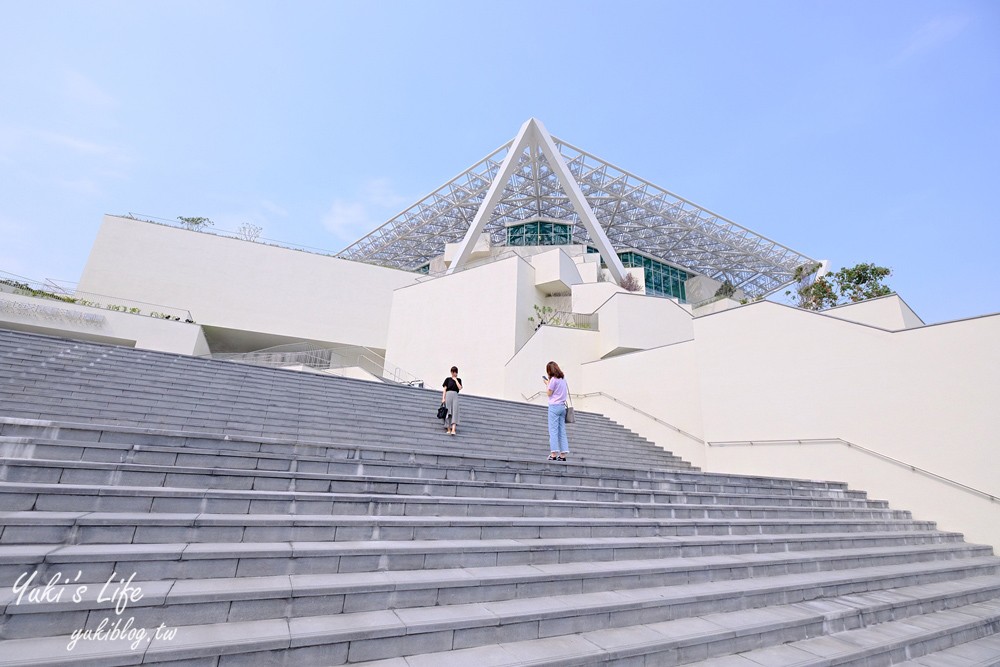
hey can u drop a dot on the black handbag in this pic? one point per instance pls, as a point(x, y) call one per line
point(442, 412)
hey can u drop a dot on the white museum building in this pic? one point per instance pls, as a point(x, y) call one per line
point(520, 260)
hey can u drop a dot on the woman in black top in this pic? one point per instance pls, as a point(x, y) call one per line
point(452, 385)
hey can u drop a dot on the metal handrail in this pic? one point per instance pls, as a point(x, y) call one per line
point(52, 290)
point(709, 300)
point(388, 372)
point(643, 413)
point(627, 405)
point(569, 320)
point(866, 450)
point(226, 233)
point(583, 321)
point(322, 359)
point(318, 359)
point(802, 441)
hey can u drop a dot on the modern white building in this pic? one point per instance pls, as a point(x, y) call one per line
point(521, 260)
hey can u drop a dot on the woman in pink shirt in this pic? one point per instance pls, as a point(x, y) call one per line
point(558, 393)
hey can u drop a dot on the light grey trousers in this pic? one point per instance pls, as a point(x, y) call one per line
point(451, 402)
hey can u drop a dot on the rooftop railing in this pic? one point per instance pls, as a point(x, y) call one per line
point(324, 360)
point(66, 292)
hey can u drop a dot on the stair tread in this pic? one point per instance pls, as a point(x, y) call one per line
point(362, 627)
point(324, 528)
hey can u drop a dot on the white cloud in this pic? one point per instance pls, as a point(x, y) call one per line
point(81, 89)
point(83, 186)
point(937, 31)
point(271, 207)
point(379, 192)
point(349, 220)
point(14, 234)
point(76, 144)
point(10, 140)
point(10, 226)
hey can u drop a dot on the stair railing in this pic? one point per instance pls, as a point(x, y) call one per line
point(800, 441)
point(627, 405)
point(864, 450)
point(323, 359)
point(66, 292)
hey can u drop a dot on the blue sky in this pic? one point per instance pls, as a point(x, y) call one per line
point(848, 130)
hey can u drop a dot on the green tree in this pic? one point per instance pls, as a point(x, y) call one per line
point(862, 282)
point(857, 283)
point(726, 289)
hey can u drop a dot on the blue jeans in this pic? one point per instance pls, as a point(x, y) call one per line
point(557, 428)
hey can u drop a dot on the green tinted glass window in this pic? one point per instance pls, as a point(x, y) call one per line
point(661, 279)
point(539, 233)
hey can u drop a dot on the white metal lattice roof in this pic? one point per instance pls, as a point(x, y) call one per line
point(632, 213)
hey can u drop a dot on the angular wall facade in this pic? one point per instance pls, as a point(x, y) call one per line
point(242, 285)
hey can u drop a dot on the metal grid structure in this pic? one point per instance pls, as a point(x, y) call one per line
point(634, 213)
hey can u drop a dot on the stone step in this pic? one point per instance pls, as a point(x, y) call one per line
point(99, 495)
point(710, 580)
point(887, 643)
point(19, 431)
point(788, 635)
point(416, 433)
point(459, 470)
point(276, 517)
point(983, 652)
point(142, 402)
point(140, 527)
point(184, 560)
point(403, 396)
point(688, 621)
point(647, 559)
point(106, 391)
point(346, 448)
point(41, 471)
point(208, 375)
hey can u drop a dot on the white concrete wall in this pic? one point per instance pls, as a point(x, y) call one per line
point(567, 347)
point(887, 312)
point(555, 272)
point(700, 288)
point(56, 318)
point(716, 307)
point(474, 319)
point(633, 322)
point(242, 285)
point(928, 499)
point(923, 396)
point(589, 269)
point(662, 382)
point(588, 297)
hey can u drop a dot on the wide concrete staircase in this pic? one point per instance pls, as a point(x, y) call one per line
point(263, 517)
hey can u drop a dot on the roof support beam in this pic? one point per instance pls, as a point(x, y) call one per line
point(534, 136)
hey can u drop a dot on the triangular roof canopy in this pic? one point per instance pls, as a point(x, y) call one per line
point(630, 213)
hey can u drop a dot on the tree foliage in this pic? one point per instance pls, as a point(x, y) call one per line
point(726, 289)
point(249, 232)
point(857, 283)
point(195, 223)
point(630, 283)
point(862, 282)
